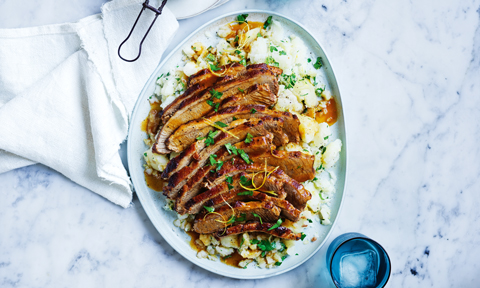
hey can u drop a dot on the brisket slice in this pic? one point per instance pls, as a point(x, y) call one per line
point(275, 70)
point(212, 222)
point(280, 232)
point(288, 210)
point(197, 106)
point(296, 193)
point(254, 127)
point(192, 152)
point(295, 164)
point(195, 204)
point(256, 95)
point(186, 134)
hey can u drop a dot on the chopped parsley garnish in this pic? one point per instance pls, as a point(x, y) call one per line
point(254, 241)
point(272, 61)
point(319, 91)
point(268, 22)
point(324, 149)
point(303, 236)
point(282, 248)
point(315, 179)
point(242, 18)
point(221, 124)
point(214, 105)
point(226, 257)
point(210, 57)
point(259, 218)
point(168, 74)
point(309, 60)
point(259, 35)
point(229, 179)
point(289, 80)
point(249, 138)
point(321, 195)
point(265, 246)
point(305, 150)
point(318, 64)
point(282, 53)
point(273, 48)
point(234, 118)
point(236, 39)
point(310, 220)
point(231, 149)
point(210, 141)
point(253, 111)
point(319, 167)
point(278, 263)
point(214, 67)
point(241, 90)
point(245, 193)
point(145, 154)
point(243, 62)
point(215, 93)
point(242, 218)
point(284, 257)
point(231, 220)
point(238, 51)
point(214, 162)
point(325, 138)
point(245, 181)
point(241, 243)
point(209, 209)
point(279, 222)
point(244, 156)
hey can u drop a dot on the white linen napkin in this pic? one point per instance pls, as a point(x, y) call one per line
point(65, 95)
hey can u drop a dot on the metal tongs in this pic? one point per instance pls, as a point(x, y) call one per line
point(157, 13)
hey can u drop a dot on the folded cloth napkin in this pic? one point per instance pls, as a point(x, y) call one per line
point(66, 96)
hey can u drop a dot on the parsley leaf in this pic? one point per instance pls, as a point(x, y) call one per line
point(245, 181)
point(257, 216)
point(273, 48)
point(221, 124)
point(236, 39)
point(282, 53)
point(279, 222)
point(231, 149)
point(210, 57)
point(259, 35)
point(254, 241)
point(243, 62)
point(245, 193)
point(216, 94)
point(244, 156)
point(253, 111)
point(241, 90)
point(229, 179)
point(214, 67)
point(242, 218)
point(241, 243)
point(238, 51)
point(278, 263)
point(310, 220)
point(242, 18)
point(234, 118)
point(249, 138)
point(309, 60)
point(325, 138)
point(318, 64)
point(268, 22)
point(272, 61)
point(303, 236)
point(231, 220)
point(209, 209)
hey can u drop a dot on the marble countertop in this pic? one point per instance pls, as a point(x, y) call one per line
point(410, 78)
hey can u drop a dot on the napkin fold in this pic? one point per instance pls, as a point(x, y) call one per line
point(66, 96)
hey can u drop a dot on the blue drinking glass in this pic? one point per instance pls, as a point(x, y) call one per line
point(355, 260)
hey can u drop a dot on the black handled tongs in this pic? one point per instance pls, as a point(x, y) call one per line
point(157, 12)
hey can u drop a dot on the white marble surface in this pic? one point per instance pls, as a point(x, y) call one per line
point(410, 77)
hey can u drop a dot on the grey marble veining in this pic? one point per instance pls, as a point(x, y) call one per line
point(410, 77)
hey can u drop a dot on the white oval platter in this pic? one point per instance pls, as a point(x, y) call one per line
point(153, 202)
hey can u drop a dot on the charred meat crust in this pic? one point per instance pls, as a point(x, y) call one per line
point(255, 127)
point(196, 106)
point(295, 164)
point(212, 222)
point(296, 193)
point(213, 196)
point(280, 232)
point(257, 94)
point(188, 133)
point(287, 209)
point(205, 76)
